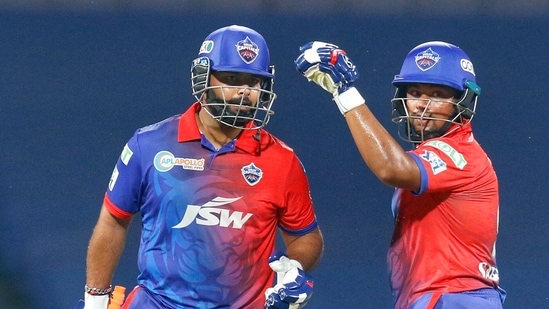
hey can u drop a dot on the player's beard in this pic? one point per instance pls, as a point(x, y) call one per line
point(236, 112)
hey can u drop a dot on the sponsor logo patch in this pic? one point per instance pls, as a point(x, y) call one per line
point(114, 177)
point(454, 155)
point(212, 214)
point(165, 161)
point(126, 155)
point(467, 66)
point(207, 47)
point(488, 272)
point(437, 165)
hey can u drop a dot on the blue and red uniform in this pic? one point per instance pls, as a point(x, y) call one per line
point(209, 216)
point(445, 234)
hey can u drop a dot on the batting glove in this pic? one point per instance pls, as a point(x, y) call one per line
point(294, 287)
point(328, 66)
point(95, 301)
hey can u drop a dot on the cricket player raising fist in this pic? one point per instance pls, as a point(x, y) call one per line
point(446, 202)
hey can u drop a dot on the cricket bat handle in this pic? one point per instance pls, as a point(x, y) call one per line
point(117, 297)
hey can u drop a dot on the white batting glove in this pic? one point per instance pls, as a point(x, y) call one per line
point(96, 301)
point(294, 287)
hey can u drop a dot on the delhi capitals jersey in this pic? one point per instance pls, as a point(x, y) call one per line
point(445, 234)
point(209, 217)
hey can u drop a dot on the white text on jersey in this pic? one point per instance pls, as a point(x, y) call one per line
point(207, 214)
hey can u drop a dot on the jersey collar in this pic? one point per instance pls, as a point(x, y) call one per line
point(251, 141)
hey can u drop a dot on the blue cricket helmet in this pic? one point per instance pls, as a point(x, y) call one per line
point(237, 49)
point(438, 63)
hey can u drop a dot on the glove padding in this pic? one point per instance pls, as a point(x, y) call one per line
point(294, 287)
point(329, 67)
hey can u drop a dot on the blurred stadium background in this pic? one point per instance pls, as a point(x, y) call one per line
point(78, 77)
point(307, 7)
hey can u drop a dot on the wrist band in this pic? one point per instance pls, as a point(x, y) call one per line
point(96, 291)
point(348, 100)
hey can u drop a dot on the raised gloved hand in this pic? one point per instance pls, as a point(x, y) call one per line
point(329, 67)
point(294, 287)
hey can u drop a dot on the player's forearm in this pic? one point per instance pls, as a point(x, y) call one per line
point(381, 152)
point(104, 251)
point(306, 249)
point(101, 262)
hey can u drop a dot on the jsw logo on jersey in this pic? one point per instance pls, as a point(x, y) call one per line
point(208, 214)
point(488, 272)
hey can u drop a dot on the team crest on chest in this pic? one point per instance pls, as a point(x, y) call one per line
point(252, 174)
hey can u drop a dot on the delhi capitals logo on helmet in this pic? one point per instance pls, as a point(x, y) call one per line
point(247, 50)
point(427, 59)
point(252, 174)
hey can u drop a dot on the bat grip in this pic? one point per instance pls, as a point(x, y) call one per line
point(117, 297)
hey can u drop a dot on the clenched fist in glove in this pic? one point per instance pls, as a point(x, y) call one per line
point(294, 287)
point(329, 67)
